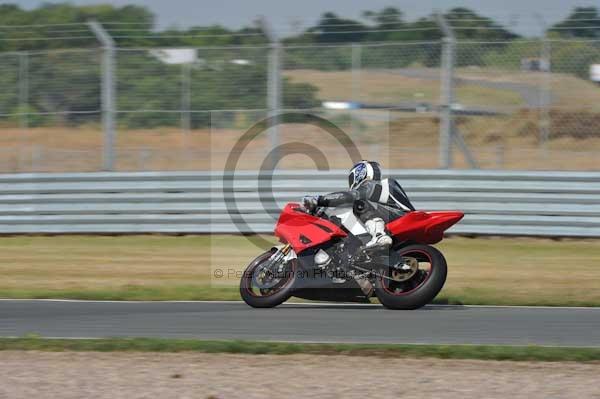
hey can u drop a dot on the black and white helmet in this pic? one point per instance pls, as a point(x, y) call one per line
point(363, 171)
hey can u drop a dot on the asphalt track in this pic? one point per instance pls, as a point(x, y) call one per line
point(303, 322)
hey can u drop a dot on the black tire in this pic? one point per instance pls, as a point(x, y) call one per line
point(429, 285)
point(282, 294)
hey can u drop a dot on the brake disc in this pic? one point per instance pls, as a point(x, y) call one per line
point(401, 272)
point(264, 279)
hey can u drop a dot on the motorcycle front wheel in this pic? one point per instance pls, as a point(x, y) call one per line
point(418, 285)
point(260, 288)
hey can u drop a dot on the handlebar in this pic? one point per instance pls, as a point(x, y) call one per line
point(317, 211)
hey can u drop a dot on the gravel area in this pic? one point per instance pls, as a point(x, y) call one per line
point(195, 375)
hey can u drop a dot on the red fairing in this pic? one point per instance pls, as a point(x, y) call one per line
point(302, 230)
point(423, 227)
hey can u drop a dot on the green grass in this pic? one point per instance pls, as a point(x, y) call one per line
point(131, 293)
point(183, 293)
point(481, 352)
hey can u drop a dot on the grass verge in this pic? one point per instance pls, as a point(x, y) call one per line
point(494, 271)
point(480, 352)
point(130, 293)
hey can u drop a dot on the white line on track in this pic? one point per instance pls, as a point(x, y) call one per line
point(316, 304)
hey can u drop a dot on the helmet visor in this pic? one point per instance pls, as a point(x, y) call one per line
point(351, 179)
point(357, 175)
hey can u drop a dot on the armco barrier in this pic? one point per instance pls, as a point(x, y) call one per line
point(562, 204)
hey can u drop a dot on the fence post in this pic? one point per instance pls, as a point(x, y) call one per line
point(273, 87)
point(23, 89)
point(356, 84)
point(108, 94)
point(186, 96)
point(447, 93)
point(23, 103)
point(545, 92)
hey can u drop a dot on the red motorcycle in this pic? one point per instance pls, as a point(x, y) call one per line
point(324, 258)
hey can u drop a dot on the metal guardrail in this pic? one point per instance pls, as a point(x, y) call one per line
point(560, 204)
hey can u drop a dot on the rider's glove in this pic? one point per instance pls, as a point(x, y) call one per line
point(310, 202)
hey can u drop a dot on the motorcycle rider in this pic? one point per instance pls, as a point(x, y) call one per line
point(375, 201)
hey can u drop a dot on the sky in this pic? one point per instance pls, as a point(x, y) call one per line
point(523, 16)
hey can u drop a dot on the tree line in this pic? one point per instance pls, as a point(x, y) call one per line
point(66, 85)
point(135, 26)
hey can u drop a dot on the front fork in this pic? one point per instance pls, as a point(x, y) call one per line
point(281, 253)
point(277, 257)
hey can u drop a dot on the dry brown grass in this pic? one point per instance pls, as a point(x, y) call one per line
point(525, 271)
point(398, 140)
point(567, 90)
point(381, 86)
point(409, 141)
point(500, 271)
point(390, 87)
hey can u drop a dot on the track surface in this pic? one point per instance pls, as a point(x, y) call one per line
point(301, 322)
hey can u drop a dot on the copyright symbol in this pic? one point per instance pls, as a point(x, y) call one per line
point(267, 169)
point(218, 273)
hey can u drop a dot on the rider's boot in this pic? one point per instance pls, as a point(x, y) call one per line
point(376, 227)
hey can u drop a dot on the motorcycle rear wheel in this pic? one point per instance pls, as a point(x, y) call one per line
point(258, 297)
point(421, 288)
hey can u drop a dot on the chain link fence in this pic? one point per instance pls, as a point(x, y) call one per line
point(523, 104)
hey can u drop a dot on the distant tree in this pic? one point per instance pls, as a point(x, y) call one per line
point(389, 24)
point(129, 25)
point(390, 21)
point(389, 16)
point(582, 22)
point(332, 28)
point(470, 25)
point(64, 86)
